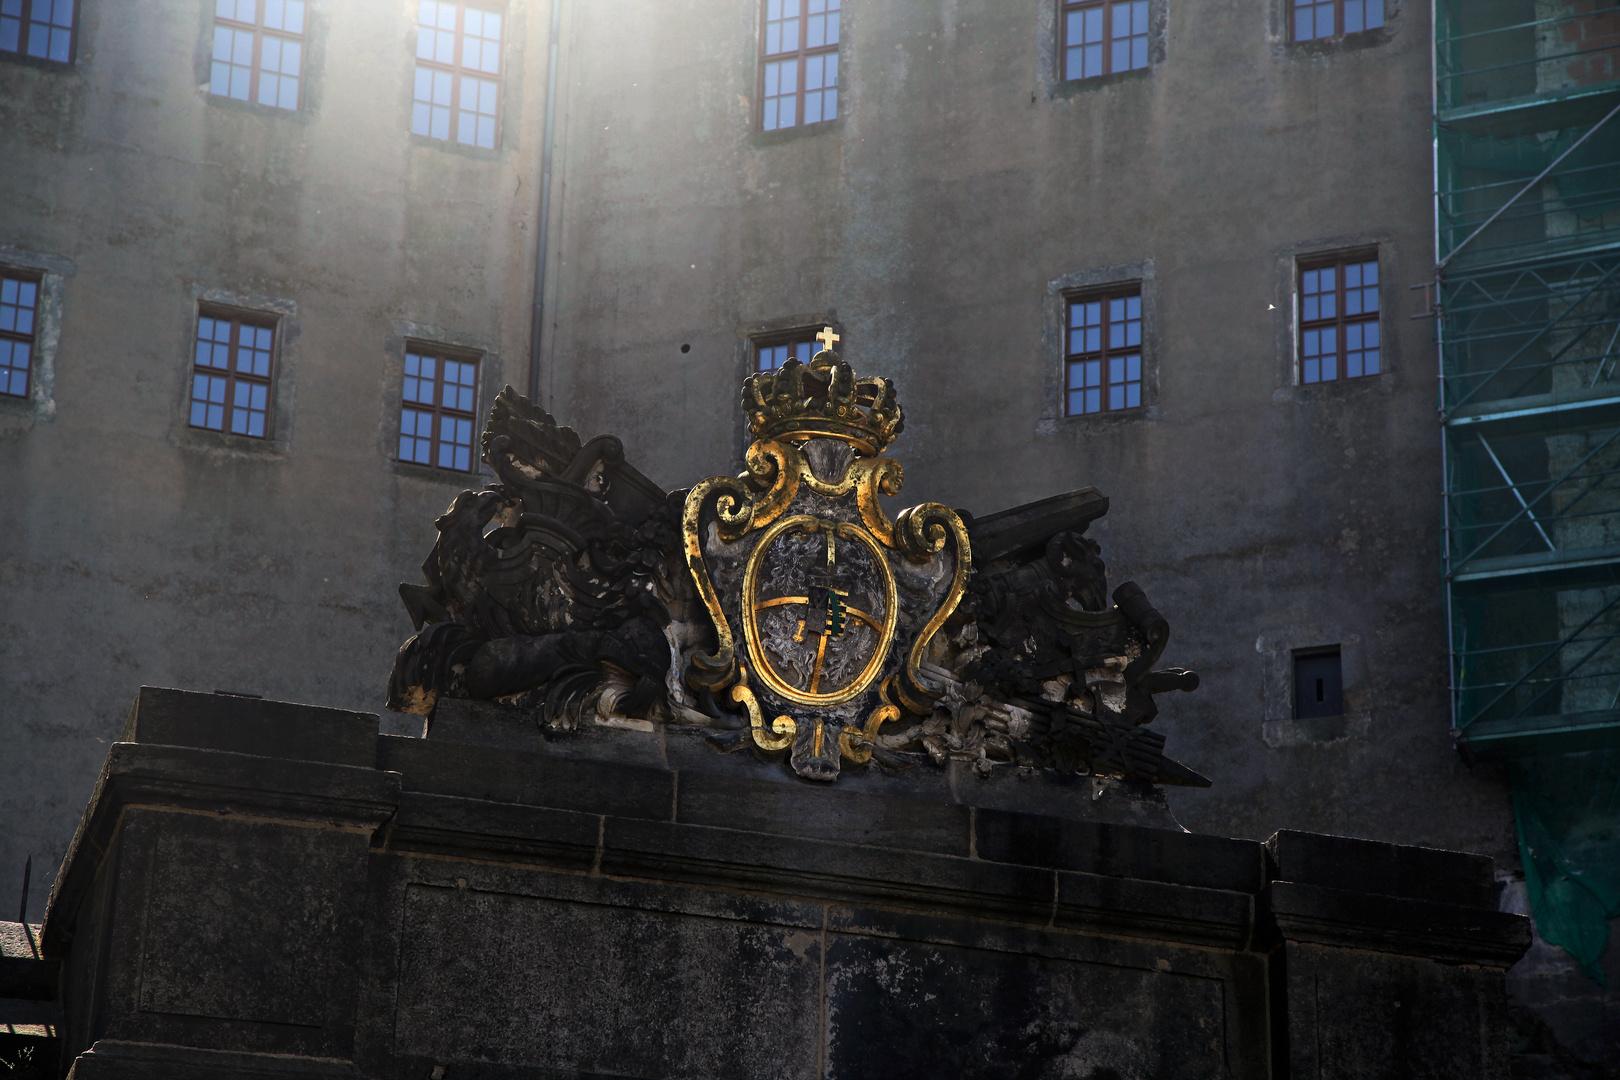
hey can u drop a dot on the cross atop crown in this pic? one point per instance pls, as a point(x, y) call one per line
point(822, 399)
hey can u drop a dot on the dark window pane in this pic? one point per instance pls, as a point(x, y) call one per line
point(1318, 685)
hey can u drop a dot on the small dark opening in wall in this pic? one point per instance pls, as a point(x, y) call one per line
point(686, 348)
point(1318, 683)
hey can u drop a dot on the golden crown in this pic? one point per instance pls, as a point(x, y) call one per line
point(823, 399)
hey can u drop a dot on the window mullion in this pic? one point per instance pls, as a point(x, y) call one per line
point(1107, 301)
point(455, 71)
point(804, 58)
point(1343, 320)
point(1299, 310)
point(257, 64)
point(232, 361)
point(458, 53)
point(437, 405)
point(1107, 44)
point(432, 408)
point(759, 79)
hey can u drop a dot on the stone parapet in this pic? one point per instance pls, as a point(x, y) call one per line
point(256, 890)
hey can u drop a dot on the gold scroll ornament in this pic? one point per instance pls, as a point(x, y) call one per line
point(751, 607)
point(756, 501)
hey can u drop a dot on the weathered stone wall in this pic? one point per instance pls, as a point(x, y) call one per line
point(259, 887)
point(937, 222)
point(136, 548)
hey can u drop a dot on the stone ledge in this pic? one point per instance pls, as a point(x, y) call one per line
point(1449, 933)
point(820, 867)
point(1151, 909)
point(1370, 866)
point(793, 866)
point(1130, 851)
point(462, 728)
point(529, 777)
point(252, 726)
point(823, 813)
point(115, 1058)
point(213, 781)
point(474, 828)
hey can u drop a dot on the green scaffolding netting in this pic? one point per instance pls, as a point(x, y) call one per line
point(1575, 205)
point(1491, 52)
point(1567, 807)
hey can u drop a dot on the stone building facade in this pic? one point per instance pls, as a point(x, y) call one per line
point(143, 201)
point(977, 179)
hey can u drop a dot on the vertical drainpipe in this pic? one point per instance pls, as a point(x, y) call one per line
point(537, 323)
point(1452, 681)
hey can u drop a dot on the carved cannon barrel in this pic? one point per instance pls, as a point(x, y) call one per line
point(1157, 682)
point(1130, 599)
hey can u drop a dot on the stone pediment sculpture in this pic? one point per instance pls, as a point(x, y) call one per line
point(783, 610)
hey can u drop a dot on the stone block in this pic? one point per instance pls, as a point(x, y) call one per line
point(1118, 850)
point(914, 1009)
point(449, 825)
point(792, 866)
point(592, 989)
point(1339, 862)
point(121, 1059)
point(531, 777)
point(1152, 909)
point(1447, 932)
point(252, 726)
point(1352, 1014)
point(460, 909)
point(822, 812)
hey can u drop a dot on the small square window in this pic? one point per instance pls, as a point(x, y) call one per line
point(1318, 684)
point(258, 51)
point(231, 373)
point(439, 402)
point(457, 92)
point(1103, 36)
point(798, 69)
point(771, 357)
point(43, 29)
point(772, 352)
point(1312, 19)
point(1338, 318)
point(19, 326)
point(1103, 352)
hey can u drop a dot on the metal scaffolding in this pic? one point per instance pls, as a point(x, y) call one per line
point(1527, 232)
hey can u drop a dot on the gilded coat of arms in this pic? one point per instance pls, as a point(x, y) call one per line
point(783, 609)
